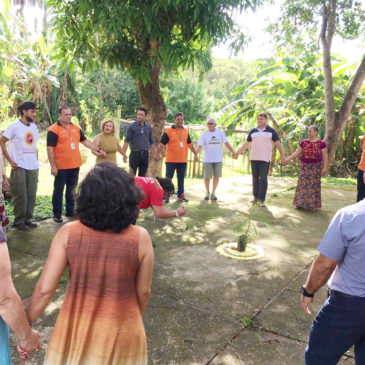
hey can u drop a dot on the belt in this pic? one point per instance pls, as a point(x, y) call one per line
point(140, 151)
point(344, 295)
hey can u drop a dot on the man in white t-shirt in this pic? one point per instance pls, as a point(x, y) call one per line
point(22, 156)
point(212, 141)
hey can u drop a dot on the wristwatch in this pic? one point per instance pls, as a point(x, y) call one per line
point(305, 293)
point(177, 214)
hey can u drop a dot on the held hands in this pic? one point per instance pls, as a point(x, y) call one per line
point(31, 343)
point(235, 155)
point(125, 158)
point(157, 157)
point(100, 152)
point(196, 158)
point(284, 161)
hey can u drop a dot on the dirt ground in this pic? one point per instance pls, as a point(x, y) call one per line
point(206, 308)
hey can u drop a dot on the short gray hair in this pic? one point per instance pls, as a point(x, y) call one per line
point(212, 119)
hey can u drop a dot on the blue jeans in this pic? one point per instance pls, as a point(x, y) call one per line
point(338, 325)
point(180, 168)
point(70, 178)
point(4, 343)
point(259, 169)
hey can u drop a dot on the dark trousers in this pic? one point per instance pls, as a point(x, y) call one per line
point(70, 178)
point(338, 325)
point(259, 169)
point(23, 186)
point(139, 160)
point(360, 185)
point(180, 168)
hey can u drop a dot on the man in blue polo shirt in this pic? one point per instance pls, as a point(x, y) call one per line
point(341, 321)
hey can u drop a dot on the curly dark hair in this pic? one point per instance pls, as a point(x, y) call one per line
point(108, 198)
point(166, 184)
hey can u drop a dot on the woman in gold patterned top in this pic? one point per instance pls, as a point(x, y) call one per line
point(108, 142)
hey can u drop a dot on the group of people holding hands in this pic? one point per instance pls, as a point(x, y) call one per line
point(64, 137)
point(110, 259)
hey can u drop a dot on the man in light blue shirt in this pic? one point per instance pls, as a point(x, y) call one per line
point(341, 321)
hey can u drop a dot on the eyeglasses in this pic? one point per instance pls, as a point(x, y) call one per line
point(210, 123)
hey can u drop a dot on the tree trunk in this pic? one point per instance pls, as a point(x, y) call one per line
point(151, 99)
point(335, 125)
point(63, 90)
point(336, 121)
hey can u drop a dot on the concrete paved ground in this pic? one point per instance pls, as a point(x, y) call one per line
point(205, 308)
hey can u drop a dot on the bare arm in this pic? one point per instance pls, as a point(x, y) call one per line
point(294, 155)
point(199, 149)
point(96, 143)
point(144, 275)
point(244, 147)
point(51, 159)
point(52, 272)
point(120, 149)
point(163, 212)
point(319, 274)
point(5, 178)
point(154, 149)
point(325, 161)
point(124, 148)
point(229, 147)
point(191, 147)
point(280, 148)
point(11, 307)
point(3, 141)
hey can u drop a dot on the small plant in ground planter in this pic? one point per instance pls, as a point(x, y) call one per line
point(246, 233)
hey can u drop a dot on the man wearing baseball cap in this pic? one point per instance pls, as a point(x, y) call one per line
point(22, 156)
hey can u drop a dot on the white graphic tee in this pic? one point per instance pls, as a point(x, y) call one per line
point(213, 145)
point(23, 144)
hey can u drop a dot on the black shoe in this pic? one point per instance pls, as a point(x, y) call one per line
point(69, 214)
point(31, 224)
point(21, 226)
point(58, 219)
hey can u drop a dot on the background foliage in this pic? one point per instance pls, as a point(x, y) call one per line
point(289, 85)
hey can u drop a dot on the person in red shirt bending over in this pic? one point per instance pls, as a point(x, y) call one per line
point(155, 191)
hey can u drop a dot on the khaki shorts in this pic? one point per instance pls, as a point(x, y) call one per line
point(212, 169)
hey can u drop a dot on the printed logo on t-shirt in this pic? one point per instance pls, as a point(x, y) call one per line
point(29, 140)
point(214, 140)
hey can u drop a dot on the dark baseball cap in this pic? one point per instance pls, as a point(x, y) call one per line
point(27, 106)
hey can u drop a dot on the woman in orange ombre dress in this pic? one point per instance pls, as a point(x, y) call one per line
point(110, 272)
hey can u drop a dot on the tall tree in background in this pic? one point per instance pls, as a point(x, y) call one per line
point(143, 36)
point(326, 18)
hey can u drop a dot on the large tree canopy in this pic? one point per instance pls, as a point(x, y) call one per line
point(144, 35)
point(302, 23)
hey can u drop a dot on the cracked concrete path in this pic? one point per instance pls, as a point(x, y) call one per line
point(205, 308)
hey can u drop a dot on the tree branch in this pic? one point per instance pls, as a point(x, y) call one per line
point(327, 68)
point(353, 90)
point(331, 22)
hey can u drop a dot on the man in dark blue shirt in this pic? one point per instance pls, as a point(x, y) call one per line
point(139, 138)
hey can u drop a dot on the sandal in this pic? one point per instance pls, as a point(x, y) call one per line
point(254, 200)
point(262, 205)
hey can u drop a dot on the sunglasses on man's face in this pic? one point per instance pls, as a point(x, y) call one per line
point(210, 123)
